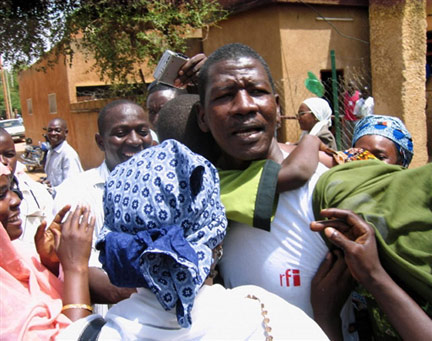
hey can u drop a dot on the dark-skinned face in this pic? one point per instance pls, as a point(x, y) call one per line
point(380, 146)
point(240, 109)
point(56, 133)
point(9, 208)
point(126, 132)
point(155, 102)
point(306, 118)
point(8, 155)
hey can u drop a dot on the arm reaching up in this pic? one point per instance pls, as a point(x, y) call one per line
point(73, 250)
point(356, 238)
point(299, 165)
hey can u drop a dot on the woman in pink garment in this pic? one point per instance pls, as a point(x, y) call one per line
point(35, 304)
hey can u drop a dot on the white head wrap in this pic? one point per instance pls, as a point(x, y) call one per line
point(321, 110)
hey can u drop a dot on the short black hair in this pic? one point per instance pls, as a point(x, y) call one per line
point(229, 52)
point(107, 108)
point(156, 86)
point(178, 121)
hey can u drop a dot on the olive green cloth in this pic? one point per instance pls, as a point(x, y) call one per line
point(398, 203)
point(249, 195)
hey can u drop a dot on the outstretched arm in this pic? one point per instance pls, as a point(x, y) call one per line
point(73, 250)
point(356, 238)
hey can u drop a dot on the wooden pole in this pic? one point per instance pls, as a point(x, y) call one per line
point(5, 92)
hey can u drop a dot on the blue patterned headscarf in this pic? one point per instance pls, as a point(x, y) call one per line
point(163, 217)
point(390, 127)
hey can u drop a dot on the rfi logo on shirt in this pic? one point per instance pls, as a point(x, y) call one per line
point(290, 273)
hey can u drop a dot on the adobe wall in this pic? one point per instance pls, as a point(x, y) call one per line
point(306, 45)
point(398, 50)
point(293, 42)
point(84, 119)
point(37, 85)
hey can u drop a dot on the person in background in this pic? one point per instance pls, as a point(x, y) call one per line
point(123, 131)
point(37, 203)
point(62, 160)
point(159, 93)
point(314, 116)
point(365, 105)
point(386, 137)
point(350, 98)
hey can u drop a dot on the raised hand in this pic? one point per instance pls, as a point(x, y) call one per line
point(46, 241)
point(74, 251)
point(188, 73)
point(74, 243)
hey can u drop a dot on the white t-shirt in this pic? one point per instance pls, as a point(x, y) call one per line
point(284, 260)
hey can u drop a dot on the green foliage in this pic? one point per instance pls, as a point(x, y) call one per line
point(12, 82)
point(29, 27)
point(119, 34)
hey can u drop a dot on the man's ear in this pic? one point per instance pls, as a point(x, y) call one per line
point(202, 119)
point(99, 142)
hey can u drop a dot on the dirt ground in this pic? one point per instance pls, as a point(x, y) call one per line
point(20, 147)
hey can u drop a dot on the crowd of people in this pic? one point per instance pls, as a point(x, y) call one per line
point(217, 230)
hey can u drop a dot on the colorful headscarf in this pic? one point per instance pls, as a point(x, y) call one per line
point(163, 217)
point(390, 127)
point(321, 110)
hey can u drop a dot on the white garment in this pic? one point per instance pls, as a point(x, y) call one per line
point(218, 314)
point(36, 206)
point(322, 111)
point(154, 136)
point(62, 162)
point(86, 188)
point(284, 260)
point(364, 107)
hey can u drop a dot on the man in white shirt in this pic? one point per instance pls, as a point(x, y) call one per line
point(62, 160)
point(365, 105)
point(123, 131)
point(239, 108)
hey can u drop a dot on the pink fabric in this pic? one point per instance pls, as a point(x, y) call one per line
point(30, 295)
point(349, 104)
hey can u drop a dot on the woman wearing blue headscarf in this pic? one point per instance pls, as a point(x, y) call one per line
point(386, 137)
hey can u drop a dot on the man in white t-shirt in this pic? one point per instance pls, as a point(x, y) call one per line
point(123, 131)
point(239, 107)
